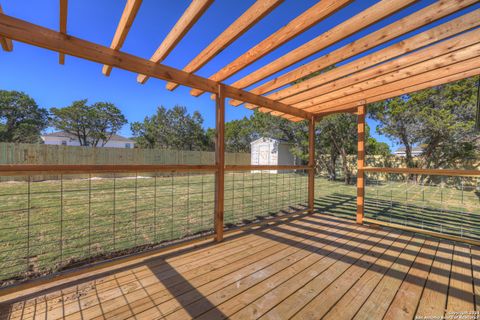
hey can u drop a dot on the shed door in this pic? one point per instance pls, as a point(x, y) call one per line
point(264, 154)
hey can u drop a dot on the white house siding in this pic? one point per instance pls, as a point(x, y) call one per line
point(71, 142)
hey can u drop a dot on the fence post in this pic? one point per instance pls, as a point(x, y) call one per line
point(361, 164)
point(311, 165)
point(219, 161)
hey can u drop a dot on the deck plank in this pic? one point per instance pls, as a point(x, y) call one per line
point(434, 298)
point(476, 275)
point(312, 285)
point(380, 299)
point(308, 268)
point(460, 291)
point(322, 303)
point(268, 293)
point(404, 305)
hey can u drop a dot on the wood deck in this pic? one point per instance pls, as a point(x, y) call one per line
point(308, 268)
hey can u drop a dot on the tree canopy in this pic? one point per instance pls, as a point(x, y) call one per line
point(441, 120)
point(21, 119)
point(90, 124)
point(172, 129)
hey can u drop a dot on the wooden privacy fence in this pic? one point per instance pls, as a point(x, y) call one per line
point(23, 153)
point(41, 154)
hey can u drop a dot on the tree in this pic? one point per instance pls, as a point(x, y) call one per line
point(338, 132)
point(172, 129)
point(440, 119)
point(21, 120)
point(90, 124)
point(373, 147)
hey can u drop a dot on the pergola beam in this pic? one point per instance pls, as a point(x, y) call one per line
point(321, 10)
point(194, 11)
point(424, 39)
point(126, 21)
point(414, 84)
point(364, 19)
point(29, 33)
point(248, 19)
point(453, 48)
point(344, 89)
point(6, 43)
point(438, 10)
point(423, 77)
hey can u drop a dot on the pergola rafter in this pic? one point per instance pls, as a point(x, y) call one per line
point(6, 43)
point(303, 22)
point(194, 11)
point(29, 33)
point(63, 25)
point(456, 49)
point(448, 47)
point(424, 39)
point(247, 20)
point(364, 19)
point(126, 21)
point(457, 71)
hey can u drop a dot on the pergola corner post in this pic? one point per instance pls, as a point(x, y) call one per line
point(361, 164)
point(219, 161)
point(311, 164)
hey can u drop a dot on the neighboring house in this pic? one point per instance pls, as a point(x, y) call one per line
point(416, 151)
point(66, 139)
point(267, 151)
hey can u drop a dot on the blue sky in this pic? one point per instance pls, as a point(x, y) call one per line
point(37, 72)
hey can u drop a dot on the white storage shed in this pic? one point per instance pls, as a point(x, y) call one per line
point(268, 151)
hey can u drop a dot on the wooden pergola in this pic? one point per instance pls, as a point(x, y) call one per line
point(443, 53)
point(447, 52)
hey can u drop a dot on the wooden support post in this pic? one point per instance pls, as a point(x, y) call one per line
point(220, 162)
point(361, 164)
point(311, 164)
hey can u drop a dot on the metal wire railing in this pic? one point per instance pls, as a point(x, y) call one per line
point(50, 225)
point(444, 204)
point(86, 214)
point(254, 195)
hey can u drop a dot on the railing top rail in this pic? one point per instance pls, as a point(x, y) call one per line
point(264, 167)
point(436, 172)
point(27, 169)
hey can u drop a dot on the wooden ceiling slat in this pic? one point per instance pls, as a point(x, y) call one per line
point(439, 33)
point(300, 24)
point(427, 15)
point(248, 19)
point(6, 43)
point(194, 11)
point(426, 78)
point(32, 34)
point(448, 46)
point(63, 25)
point(128, 16)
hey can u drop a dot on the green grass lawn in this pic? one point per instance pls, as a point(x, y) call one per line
point(49, 225)
point(448, 209)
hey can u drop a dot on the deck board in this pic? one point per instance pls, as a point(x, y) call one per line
point(309, 268)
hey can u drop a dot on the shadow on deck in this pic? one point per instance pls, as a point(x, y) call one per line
point(311, 267)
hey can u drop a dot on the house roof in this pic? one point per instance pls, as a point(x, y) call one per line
point(414, 149)
point(63, 134)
